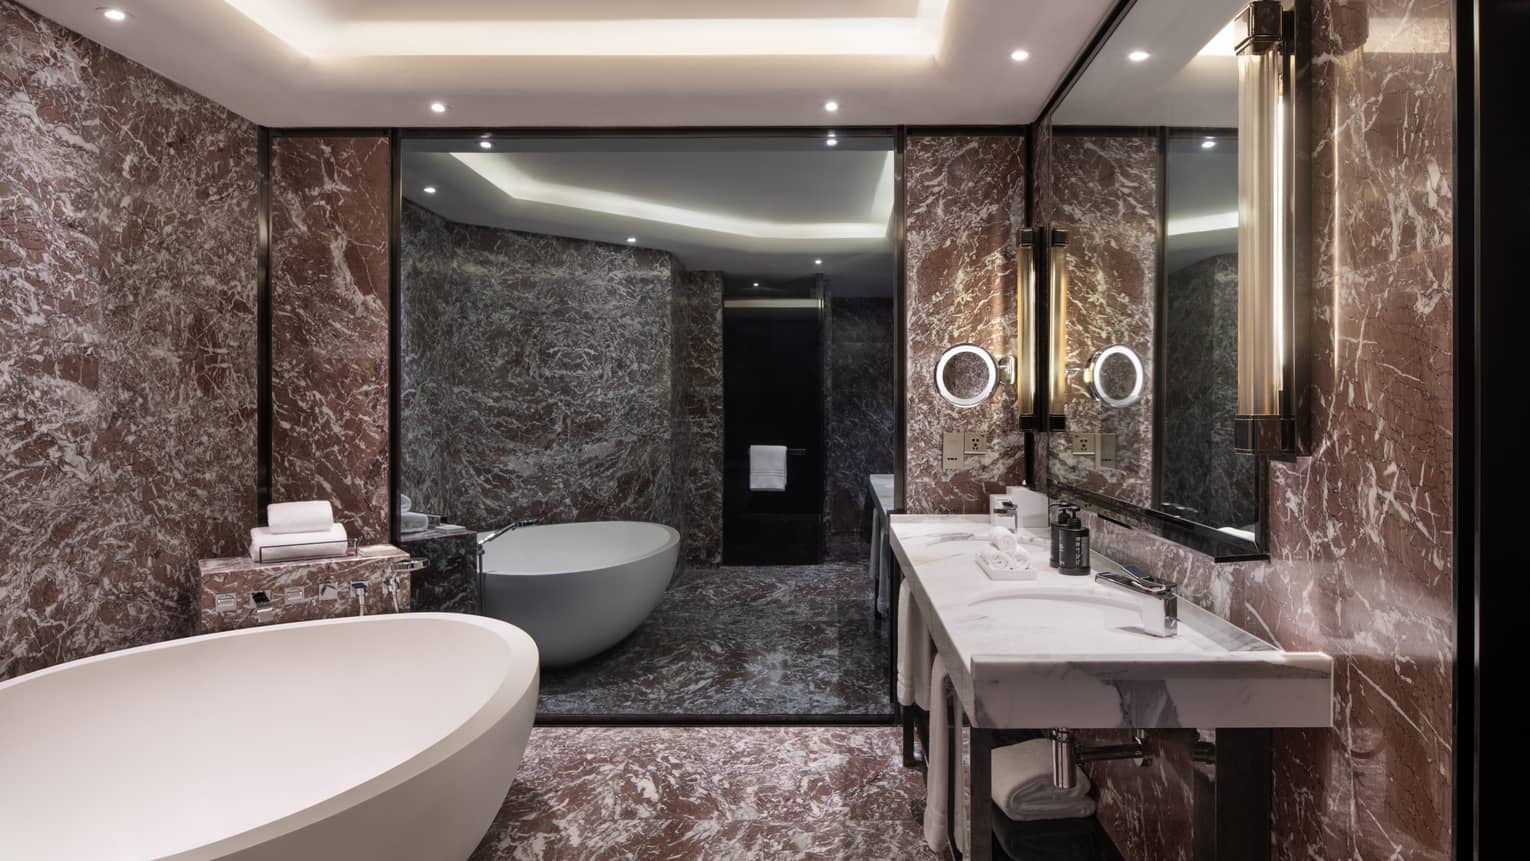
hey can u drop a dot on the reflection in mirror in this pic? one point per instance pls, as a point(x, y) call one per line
point(1114, 376)
point(966, 375)
point(1142, 173)
point(675, 353)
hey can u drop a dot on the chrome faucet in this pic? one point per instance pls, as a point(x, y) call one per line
point(1157, 599)
point(486, 537)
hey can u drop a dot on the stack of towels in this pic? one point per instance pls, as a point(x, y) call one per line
point(298, 530)
point(1003, 559)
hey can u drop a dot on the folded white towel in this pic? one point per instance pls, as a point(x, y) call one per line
point(413, 521)
point(767, 467)
point(1023, 788)
point(914, 652)
point(268, 546)
point(937, 767)
point(311, 516)
point(999, 565)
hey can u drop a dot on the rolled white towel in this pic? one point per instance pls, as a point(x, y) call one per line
point(914, 652)
point(268, 546)
point(1003, 540)
point(314, 515)
point(1023, 789)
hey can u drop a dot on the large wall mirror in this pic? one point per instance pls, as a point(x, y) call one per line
point(675, 354)
point(1143, 174)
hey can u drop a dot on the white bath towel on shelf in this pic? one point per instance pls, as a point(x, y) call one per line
point(313, 515)
point(1023, 787)
point(914, 652)
point(767, 467)
point(939, 764)
point(268, 546)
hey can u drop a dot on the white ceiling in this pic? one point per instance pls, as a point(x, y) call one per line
point(577, 63)
point(1177, 85)
point(1202, 200)
point(763, 208)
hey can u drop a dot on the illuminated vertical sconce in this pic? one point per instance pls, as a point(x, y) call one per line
point(1027, 350)
point(1057, 330)
point(1269, 388)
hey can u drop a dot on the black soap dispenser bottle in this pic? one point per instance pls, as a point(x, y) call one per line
point(1057, 512)
point(1072, 545)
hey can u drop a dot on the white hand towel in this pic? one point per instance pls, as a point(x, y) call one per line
point(767, 467)
point(1023, 788)
point(914, 652)
point(939, 763)
point(268, 546)
point(311, 516)
point(413, 521)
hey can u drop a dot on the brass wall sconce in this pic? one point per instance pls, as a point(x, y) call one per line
point(1272, 340)
point(1028, 348)
point(1057, 330)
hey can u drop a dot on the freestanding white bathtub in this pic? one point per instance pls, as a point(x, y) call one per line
point(578, 588)
point(388, 738)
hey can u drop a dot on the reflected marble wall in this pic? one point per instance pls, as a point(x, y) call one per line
point(559, 379)
point(1106, 195)
point(965, 204)
point(127, 345)
point(861, 405)
point(329, 327)
point(1361, 530)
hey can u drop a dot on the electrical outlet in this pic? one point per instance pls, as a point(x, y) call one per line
point(952, 450)
point(975, 443)
point(1084, 444)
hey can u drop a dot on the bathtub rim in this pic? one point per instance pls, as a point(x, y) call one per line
point(520, 680)
point(673, 541)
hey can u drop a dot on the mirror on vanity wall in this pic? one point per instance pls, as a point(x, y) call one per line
point(1139, 172)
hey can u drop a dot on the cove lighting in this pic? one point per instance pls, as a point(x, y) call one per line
point(312, 28)
point(501, 171)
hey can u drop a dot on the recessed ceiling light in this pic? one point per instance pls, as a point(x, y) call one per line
point(631, 239)
point(1019, 55)
point(1138, 56)
point(831, 106)
point(485, 145)
point(438, 107)
point(756, 283)
point(818, 261)
point(113, 14)
point(1208, 143)
point(429, 189)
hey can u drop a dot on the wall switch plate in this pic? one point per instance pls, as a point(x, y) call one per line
point(975, 443)
point(1105, 451)
point(294, 595)
point(225, 602)
point(953, 448)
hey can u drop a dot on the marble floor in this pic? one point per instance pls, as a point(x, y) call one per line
point(714, 793)
point(739, 641)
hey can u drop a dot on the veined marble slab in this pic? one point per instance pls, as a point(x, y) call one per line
point(1064, 651)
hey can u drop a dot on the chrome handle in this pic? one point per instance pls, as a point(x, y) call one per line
point(1137, 580)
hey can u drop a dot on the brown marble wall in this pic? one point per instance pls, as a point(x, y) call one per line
point(127, 345)
point(1106, 195)
point(1361, 530)
point(329, 327)
point(861, 401)
point(296, 588)
point(698, 397)
point(965, 203)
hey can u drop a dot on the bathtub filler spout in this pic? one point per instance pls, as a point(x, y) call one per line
point(486, 537)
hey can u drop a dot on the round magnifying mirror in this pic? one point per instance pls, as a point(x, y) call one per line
point(1114, 376)
point(966, 375)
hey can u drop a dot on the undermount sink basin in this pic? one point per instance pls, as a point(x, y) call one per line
point(1064, 651)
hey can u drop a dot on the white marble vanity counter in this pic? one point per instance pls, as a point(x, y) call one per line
point(882, 491)
point(1062, 651)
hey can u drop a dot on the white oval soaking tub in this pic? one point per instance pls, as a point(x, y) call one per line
point(578, 588)
point(389, 738)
